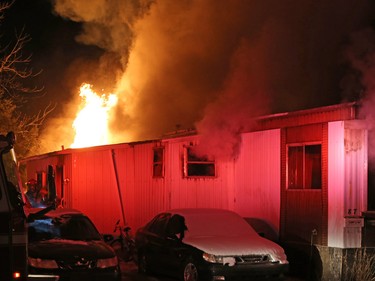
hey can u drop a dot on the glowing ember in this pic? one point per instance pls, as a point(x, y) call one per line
point(91, 123)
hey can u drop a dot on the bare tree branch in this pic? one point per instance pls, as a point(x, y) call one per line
point(15, 70)
point(5, 6)
point(14, 66)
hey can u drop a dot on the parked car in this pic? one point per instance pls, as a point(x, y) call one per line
point(207, 244)
point(65, 242)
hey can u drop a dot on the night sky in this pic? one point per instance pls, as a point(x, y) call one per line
point(208, 64)
point(53, 48)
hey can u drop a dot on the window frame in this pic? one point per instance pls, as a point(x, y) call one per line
point(204, 161)
point(304, 185)
point(158, 163)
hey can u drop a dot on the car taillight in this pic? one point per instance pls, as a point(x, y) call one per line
point(42, 263)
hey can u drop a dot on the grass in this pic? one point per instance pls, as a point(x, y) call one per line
point(359, 265)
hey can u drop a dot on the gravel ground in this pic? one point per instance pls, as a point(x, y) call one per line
point(130, 273)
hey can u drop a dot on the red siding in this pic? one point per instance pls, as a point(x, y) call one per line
point(257, 177)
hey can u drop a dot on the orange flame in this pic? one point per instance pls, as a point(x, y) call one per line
point(91, 123)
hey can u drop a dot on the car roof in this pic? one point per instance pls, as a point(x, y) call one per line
point(54, 213)
point(209, 221)
point(194, 211)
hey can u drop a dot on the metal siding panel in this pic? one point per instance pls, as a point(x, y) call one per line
point(335, 184)
point(355, 171)
point(146, 193)
point(94, 188)
point(148, 199)
point(195, 192)
point(347, 177)
point(257, 177)
point(120, 165)
point(283, 204)
point(324, 228)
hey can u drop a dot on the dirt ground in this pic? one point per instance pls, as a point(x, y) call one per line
point(130, 273)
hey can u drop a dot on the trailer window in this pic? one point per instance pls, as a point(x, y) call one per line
point(304, 166)
point(158, 162)
point(197, 165)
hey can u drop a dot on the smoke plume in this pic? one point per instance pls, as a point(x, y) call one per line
point(214, 64)
point(361, 54)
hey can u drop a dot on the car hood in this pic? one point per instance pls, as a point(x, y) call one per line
point(59, 248)
point(233, 245)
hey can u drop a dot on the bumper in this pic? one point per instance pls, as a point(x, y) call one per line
point(246, 272)
point(65, 275)
point(39, 277)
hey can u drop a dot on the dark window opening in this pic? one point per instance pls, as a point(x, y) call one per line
point(198, 166)
point(305, 166)
point(158, 162)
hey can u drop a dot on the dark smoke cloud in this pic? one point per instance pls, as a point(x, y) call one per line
point(244, 96)
point(107, 24)
point(361, 54)
point(214, 64)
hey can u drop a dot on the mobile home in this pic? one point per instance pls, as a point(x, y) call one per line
point(305, 173)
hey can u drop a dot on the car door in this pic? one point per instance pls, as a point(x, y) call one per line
point(175, 251)
point(165, 248)
point(156, 242)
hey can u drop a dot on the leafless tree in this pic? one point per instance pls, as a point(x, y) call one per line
point(14, 70)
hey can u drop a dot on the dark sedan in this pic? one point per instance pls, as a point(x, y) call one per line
point(205, 245)
point(67, 244)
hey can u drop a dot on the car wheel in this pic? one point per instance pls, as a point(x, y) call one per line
point(143, 267)
point(190, 271)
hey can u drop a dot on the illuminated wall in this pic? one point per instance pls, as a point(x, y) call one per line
point(347, 182)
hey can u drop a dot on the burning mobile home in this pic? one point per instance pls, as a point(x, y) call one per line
point(304, 173)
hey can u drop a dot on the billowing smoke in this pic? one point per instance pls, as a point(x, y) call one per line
point(233, 112)
point(214, 64)
point(107, 24)
point(361, 54)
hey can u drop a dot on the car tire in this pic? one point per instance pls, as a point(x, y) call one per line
point(190, 271)
point(143, 267)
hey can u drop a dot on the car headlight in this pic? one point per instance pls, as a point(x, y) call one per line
point(219, 259)
point(279, 257)
point(42, 263)
point(104, 263)
point(212, 258)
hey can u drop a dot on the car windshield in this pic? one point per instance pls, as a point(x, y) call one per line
point(216, 224)
point(64, 227)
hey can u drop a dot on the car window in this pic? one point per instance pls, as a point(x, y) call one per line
point(159, 223)
point(43, 229)
point(67, 227)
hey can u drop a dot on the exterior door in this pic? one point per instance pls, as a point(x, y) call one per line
point(303, 196)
